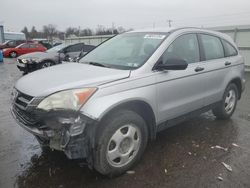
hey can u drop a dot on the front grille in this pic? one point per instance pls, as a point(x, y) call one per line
point(21, 100)
point(26, 118)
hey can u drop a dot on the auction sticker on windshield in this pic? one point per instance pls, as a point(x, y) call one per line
point(154, 36)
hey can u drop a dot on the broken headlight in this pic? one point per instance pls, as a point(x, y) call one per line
point(68, 99)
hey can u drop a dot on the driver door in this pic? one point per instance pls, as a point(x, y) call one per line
point(181, 91)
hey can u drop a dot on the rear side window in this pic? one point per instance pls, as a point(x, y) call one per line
point(75, 48)
point(25, 46)
point(229, 49)
point(184, 47)
point(33, 46)
point(11, 43)
point(88, 48)
point(212, 46)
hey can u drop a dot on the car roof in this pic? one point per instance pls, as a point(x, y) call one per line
point(192, 29)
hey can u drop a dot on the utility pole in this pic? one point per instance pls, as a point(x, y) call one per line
point(169, 22)
point(79, 31)
point(113, 27)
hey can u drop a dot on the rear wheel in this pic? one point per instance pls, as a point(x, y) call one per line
point(13, 54)
point(228, 104)
point(121, 141)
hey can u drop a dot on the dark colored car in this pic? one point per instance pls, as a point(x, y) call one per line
point(24, 48)
point(46, 44)
point(14, 43)
point(38, 60)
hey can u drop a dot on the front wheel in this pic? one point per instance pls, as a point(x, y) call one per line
point(46, 64)
point(121, 142)
point(228, 104)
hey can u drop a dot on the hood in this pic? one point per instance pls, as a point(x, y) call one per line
point(38, 55)
point(67, 76)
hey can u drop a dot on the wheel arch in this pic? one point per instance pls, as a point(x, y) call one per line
point(237, 82)
point(50, 60)
point(140, 107)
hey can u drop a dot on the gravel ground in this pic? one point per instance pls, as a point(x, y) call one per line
point(182, 156)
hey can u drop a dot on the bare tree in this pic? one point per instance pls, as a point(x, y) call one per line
point(26, 32)
point(72, 31)
point(33, 32)
point(50, 31)
point(86, 32)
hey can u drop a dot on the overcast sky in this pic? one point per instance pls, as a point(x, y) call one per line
point(15, 14)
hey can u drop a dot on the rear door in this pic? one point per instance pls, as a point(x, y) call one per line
point(181, 91)
point(23, 49)
point(216, 66)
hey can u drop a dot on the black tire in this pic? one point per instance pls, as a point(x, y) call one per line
point(108, 128)
point(13, 54)
point(44, 144)
point(46, 64)
point(219, 111)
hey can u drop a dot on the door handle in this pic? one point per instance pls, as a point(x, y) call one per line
point(198, 69)
point(227, 63)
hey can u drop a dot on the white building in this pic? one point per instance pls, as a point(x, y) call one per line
point(241, 36)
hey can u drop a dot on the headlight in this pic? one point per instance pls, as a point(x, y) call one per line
point(31, 60)
point(25, 61)
point(69, 99)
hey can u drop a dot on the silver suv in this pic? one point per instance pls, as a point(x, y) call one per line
point(106, 107)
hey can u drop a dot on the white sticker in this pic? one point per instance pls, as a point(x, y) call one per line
point(154, 36)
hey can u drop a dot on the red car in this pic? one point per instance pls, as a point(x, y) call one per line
point(23, 49)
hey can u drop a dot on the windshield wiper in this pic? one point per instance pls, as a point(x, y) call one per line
point(97, 64)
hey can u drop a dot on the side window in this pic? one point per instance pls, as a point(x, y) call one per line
point(11, 43)
point(229, 49)
point(20, 42)
point(212, 46)
point(88, 48)
point(33, 46)
point(184, 47)
point(75, 48)
point(24, 46)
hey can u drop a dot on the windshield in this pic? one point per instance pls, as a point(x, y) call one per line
point(125, 51)
point(57, 48)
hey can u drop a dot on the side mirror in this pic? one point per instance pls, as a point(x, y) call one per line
point(172, 64)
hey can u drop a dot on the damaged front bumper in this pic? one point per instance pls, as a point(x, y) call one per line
point(68, 131)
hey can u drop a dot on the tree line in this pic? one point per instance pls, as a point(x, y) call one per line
point(50, 31)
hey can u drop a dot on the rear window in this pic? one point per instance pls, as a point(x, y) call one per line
point(212, 46)
point(229, 49)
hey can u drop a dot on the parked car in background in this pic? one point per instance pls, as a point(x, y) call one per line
point(87, 48)
point(109, 105)
point(45, 44)
point(56, 44)
point(14, 43)
point(38, 60)
point(24, 48)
